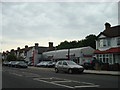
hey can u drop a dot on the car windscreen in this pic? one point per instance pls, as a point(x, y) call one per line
point(71, 63)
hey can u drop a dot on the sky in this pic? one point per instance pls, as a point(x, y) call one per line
point(27, 23)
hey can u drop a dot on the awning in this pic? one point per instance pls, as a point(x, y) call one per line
point(111, 50)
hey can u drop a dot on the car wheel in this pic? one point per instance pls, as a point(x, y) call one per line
point(56, 70)
point(70, 71)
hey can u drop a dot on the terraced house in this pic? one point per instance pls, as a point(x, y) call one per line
point(108, 45)
point(31, 54)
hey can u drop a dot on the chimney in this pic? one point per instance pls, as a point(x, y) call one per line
point(26, 46)
point(107, 25)
point(36, 45)
point(12, 50)
point(18, 48)
point(51, 45)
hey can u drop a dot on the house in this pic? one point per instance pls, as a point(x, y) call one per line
point(33, 54)
point(79, 55)
point(108, 45)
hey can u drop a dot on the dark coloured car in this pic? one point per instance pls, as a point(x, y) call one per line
point(5, 63)
point(12, 63)
point(40, 64)
point(21, 64)
point(51, 64)
point(30, 64)
point(68, 66)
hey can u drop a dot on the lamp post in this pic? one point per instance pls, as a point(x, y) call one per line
point(68, 54)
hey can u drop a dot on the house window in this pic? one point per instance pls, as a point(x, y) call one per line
point(103, 58)
point(108, 42)
point(103, 42)
point(118, 41)
point(107, 58)
point(100, 57)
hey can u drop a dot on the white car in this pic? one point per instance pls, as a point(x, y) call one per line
point(68, 66)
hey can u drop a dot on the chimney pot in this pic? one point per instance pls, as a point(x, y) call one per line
point(36, 44)
point(26, 46)
point(51, 45)
point(18, 48)
point(107, 25)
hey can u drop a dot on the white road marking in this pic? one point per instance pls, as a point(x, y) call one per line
point(16, 74)
point(86, 86)
point(65, 81)
point(52, 83)
point(60, 81)
point(25, 74)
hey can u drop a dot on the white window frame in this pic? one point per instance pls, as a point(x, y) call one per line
point(118, 41)
point(103, 42)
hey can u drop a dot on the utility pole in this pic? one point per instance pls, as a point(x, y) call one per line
point(68, 54)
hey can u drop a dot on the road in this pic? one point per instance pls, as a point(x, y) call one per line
point(47, 78)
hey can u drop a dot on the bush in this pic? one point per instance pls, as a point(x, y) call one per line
point(11, 57)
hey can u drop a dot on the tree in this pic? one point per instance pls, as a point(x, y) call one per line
point(88, 41)
point(63, 45)
point(73, 44)
point(11, 57)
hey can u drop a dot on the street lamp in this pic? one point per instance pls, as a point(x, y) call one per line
point(68, 54)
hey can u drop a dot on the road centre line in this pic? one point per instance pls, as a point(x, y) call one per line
point(25, 74)
point(16, 74)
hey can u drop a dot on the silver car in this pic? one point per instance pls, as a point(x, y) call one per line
point(68, 66)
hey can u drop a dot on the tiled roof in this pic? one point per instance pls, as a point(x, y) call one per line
point(111, 32)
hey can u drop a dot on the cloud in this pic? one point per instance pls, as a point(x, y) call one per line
point(55, 21)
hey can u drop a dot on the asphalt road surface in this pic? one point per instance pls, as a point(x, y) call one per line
point(47, 78)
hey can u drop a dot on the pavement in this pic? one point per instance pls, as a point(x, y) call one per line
point(99, 72)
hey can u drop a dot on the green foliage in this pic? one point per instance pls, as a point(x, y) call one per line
point(64, 45)
point(88, 41)
point(11, 57)
point(20, 58)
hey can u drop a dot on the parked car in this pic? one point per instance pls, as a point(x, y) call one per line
point(21, 64)
point(50, 64)
point(5, 63)
point(40, 64)
point(12, 63)
point(30, 64)
point(68, 66)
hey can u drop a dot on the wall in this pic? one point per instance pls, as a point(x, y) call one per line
point(76, 53)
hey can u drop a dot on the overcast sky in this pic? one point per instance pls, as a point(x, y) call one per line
point(26, 23)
